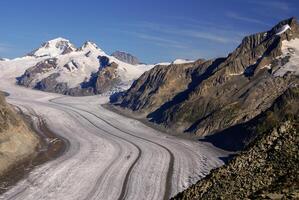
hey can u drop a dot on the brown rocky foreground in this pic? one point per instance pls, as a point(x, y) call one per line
point(24, 145)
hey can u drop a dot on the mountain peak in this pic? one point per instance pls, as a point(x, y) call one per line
point(54, 47)
point(285, 25)
point(126, 57)
point(257, 51)
point(89, 45)
point(58, 39)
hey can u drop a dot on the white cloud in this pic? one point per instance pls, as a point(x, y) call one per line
point(278, 5)
point(188, 39)
point(208, 36)
point(236, 16)
point(160, 41)
point(207, 32)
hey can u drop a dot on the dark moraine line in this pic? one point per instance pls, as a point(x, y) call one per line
point(43, 131)
point(130, 169)
point(124, 189)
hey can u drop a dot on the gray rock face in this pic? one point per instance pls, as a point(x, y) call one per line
point(106, 77)
point(158, 86)
point(49, 83)
point(42, 67)
point(126, 57)
point(205, 97)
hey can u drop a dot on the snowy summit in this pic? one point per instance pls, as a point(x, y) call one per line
point(55, 47)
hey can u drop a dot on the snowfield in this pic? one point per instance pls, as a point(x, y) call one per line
point(109, 156)
point(289, 49)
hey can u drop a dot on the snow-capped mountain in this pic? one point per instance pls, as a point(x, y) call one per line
point(58, 46)
point(58, 66)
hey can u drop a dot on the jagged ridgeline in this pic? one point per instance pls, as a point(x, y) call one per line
point(269, 166)
point(205, 97)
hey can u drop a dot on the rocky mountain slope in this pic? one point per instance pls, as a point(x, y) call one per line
point(17, 141)
point(58, 66)
point(268, 168)
point(126, 57)
point(205, 97)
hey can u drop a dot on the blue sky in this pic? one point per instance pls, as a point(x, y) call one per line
point(153, 30)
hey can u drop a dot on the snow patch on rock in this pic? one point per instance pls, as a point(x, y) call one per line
point(283, 29)
point(164, 63)
point(236, 74)
point(182, 61)
point(291, 49)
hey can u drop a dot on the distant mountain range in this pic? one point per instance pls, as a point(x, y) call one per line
point(58, 66)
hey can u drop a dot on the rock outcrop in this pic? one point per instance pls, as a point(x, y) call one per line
point(268, 168)
point(205, 97)
point(28, 79)
point(105, 78)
